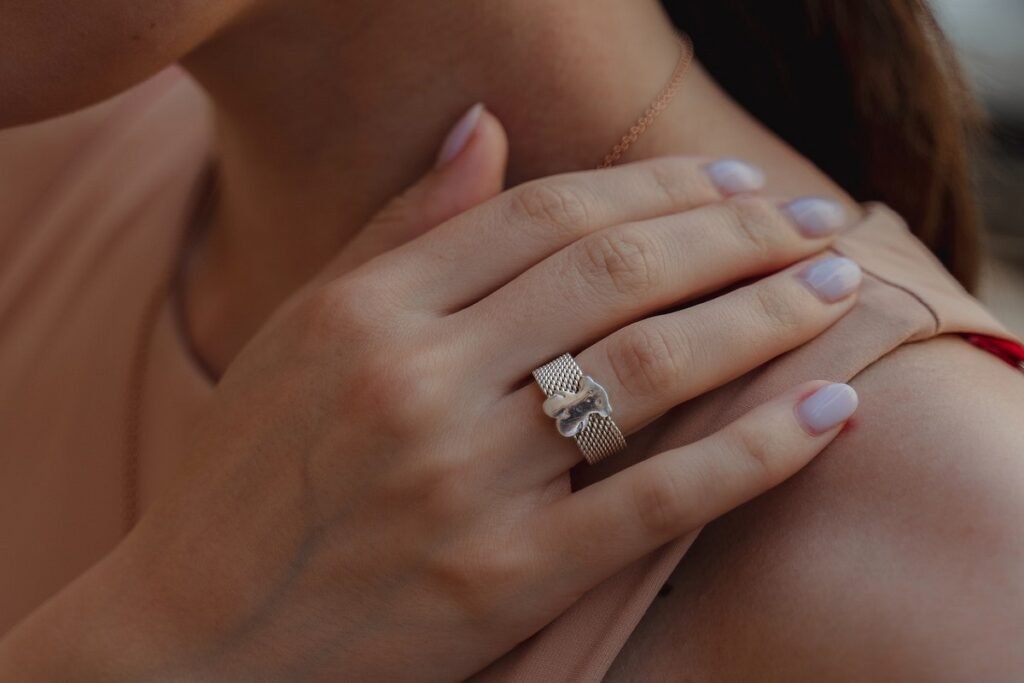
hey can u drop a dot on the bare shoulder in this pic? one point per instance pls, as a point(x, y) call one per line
point(897, 555)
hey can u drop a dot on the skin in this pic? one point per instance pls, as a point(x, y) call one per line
point(256, 91)
point(295, 127)
point(379, 502)
point(897, 555)
point(337, 508)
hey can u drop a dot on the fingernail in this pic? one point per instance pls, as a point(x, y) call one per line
point(733, 176)
point(460, 134)
point(828, 407)
point(816, 216)
point(832, 278)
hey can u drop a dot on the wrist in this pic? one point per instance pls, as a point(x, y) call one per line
point(106, 626)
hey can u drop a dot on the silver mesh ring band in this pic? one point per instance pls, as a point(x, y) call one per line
point(561, 379)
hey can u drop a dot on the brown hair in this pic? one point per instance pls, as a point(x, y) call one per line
point(867, 89)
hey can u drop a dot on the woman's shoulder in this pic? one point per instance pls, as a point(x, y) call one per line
point(896, 555)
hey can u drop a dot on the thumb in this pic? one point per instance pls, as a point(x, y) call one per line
point(470, 169)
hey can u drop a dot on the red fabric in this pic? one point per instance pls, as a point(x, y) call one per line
point(1009, 351)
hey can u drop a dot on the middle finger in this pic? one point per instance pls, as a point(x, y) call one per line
point(624, 273)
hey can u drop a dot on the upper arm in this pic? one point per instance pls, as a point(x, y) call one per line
point(898, 554)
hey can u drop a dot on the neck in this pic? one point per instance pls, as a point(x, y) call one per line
point(326, 110)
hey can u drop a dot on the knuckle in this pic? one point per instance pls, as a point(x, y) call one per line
point(755, 222)
point(441, 484)
point(660, 504)
point(781, 312)
point(477, 582)
point(679, 184)
point(397, 211)
point(645, 361)
point(552, 205)
point(759, 449)
point(406, 400)
point(624, 261)
point(342, 310)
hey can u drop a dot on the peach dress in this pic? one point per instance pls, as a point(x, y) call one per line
point(92, 211)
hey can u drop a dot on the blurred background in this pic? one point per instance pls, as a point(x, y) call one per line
point(989, 36)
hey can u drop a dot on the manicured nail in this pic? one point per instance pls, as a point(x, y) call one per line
point(460, 134)
point(733, 176)
point(828, 407)
point(816, 216)
point(833, 278)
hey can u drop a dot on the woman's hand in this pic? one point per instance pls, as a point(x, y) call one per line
point(375, 493)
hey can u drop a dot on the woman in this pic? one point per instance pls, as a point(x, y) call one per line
point(309, 518)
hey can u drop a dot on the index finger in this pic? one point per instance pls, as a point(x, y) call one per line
point(473, 254)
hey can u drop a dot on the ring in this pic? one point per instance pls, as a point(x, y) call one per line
point(580, 407)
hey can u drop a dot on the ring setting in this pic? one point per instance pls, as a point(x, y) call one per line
point(580, 407)
point(572, 411)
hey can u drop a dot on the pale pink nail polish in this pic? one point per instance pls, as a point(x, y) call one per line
point(460, 134)
point(817, 216)
point(833, 279)
point(732, 176)
point(827, 408)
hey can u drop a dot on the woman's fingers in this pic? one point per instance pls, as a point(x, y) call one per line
point(478, 251)
point(656, 364)
point(469, 170)
point(594, 532)
point(653, 365)
point(624, 273)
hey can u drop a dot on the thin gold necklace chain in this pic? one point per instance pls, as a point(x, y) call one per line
point(656, 107)
point(151, 313)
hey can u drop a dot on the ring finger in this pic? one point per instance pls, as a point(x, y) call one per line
point(653, 365)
